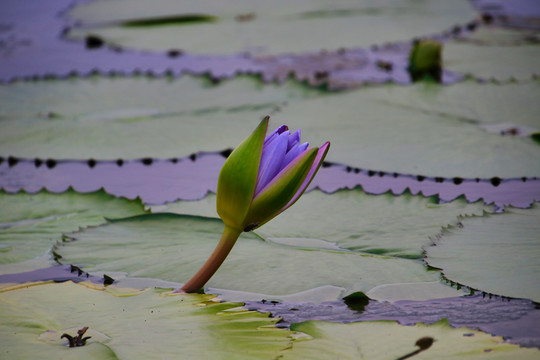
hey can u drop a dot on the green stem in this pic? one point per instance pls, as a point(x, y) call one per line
point(228, 239)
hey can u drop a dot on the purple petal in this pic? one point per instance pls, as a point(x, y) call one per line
point(321, 154)
point(272, 157)
point(294, 139)
point(294, 152)
point(280, 130)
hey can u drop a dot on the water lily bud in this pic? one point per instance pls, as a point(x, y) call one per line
point(261, 178)
point(426, 59)
point(265, 175)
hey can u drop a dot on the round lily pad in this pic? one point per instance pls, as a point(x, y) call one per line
point(208, 27)
point(173, 247)
point(496, 254)
point(388, 340)
point(150, 325)
point(495, 53)
point(110, 118)
point(367, 132)
point(386, 225)
point(31, 223)
point(468, 102)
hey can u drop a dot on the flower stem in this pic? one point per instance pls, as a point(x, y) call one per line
point(228, 239)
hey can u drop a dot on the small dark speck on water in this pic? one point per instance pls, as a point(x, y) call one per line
point(457, 180)
point(51, 163)
point(93, 42)
point(147, 161)
point(12, 161)
point(495, 181)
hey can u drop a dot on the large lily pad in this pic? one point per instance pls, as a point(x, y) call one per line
point(173, 247)
point(388, 340)
point(111, 118)
point(390, 138)
point(386, 224)
point(496, 253)
point(494, 53)
point(368, 133)
point(31, 223)
point(211, 27)
point(468, 102)
point(150, 325)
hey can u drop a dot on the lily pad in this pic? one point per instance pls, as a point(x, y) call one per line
point(468, 102)
point(31, 223)
point(497, 254)
point(390, 138)
point(173, 247)
point(100, 118)
point(384, 225)
point(261, 27)
point(494, 53)
point(368, 133)
point(150, 325)
point(388, 340)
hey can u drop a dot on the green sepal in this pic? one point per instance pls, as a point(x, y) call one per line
point(238, 177)
point(277, 194)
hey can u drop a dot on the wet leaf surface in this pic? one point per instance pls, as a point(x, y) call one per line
point(145, 325)
point(512, 319)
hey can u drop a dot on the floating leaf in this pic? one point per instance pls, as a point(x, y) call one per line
point(100, 118)
point(60, 56)
point(501, 62)
point(388, 340)
point(368, 133)
point(269, 28)
point(384, 225)
point(497, 253)
point(31, 223)
point(172, 247)
point(150, 325)
point(492, 104)
point(391, 139)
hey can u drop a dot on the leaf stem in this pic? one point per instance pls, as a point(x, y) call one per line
point(228, 239)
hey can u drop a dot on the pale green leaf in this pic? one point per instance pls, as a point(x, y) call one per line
point(150, 325)
point(350, 219)
point(389, 340)
point(173, 247)
point(31, 223)
point(497, 254)
point(264, 27)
